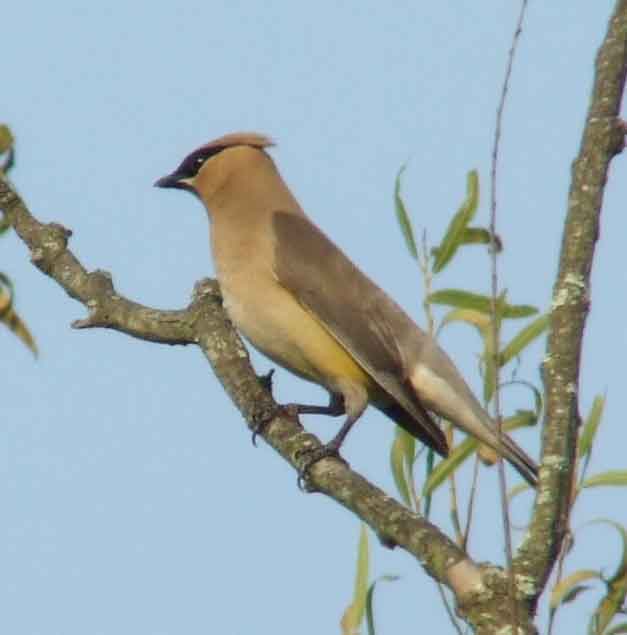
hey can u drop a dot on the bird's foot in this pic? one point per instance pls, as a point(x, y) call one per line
point(310, 457)
point(261, 419)
point(266, 380)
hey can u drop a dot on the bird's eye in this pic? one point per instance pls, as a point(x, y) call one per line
point(199, 161)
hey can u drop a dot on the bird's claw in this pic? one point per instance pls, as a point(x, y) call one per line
point(330, 450)
point(260, 421)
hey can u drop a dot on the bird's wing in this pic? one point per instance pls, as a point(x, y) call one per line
point(368, 324)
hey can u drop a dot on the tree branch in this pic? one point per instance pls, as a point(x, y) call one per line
point(603, 138)
point(478, 589)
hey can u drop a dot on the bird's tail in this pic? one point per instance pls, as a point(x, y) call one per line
point(442, 390)
point(517, 457)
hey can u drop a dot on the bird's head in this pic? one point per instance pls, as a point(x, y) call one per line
point(206, 170)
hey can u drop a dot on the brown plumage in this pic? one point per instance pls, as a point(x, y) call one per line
point(297, 298)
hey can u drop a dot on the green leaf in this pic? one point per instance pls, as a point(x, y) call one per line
point(402, 216)
point(619, 629)
point(10, 318)
point(517, 489)
point(611, 478)
point(6, 139)
point(430, 463)
point(6, 293)
point(516, 311)
point(591, 426)
point(401, 460)
point(522, 419)
point(478, 302)
point(537, 395)
point(474, 236)
point(454, 234)
point(568, 588)
point(616, 586)
point(445, 468)
point(7, 146)
point(524, 338)
point(490, 361)
point(354, 613)
point(461, 299)
point(4, 223)
point(480, 236)
point(475, 318)
point(370, 601)
point(461, 452)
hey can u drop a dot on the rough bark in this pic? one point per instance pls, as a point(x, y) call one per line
point(603, 138)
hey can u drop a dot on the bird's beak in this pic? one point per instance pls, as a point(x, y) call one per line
point(175, 181)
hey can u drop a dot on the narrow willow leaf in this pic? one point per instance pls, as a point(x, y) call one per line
point(611, 478)
point(571, 596)
point(446, 467)
point(475, 318)
point(517, 489)
point(619, 629)
point(18, 327)
point(429, 470)
point(398, 464)
point(522, 419)
point(490, 362)
point(622, 531)
point(370, 600)
point(348, 621)
point(527, 335)
point(4, 223)
point(461, 299)
point(616, 586)
point(565, 587)
point(403, 217)
point(11, 319)
point(461, 452)
point(474, 236)
point(354, 613)
point(7, 293)
point(516, 311)
point(6, 139)
point(453, 236)
point(480, 236)
point(591, 426)
point(478, 302)
point(537, 395)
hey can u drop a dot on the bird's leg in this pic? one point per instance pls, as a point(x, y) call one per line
point(354, 400)
point(262, 418)
point(334, 409)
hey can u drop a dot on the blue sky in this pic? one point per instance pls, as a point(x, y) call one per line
point(134, 498)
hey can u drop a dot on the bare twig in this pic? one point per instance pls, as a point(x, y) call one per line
point(507, 530)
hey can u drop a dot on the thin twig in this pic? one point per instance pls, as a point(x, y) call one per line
point(471, 503)
point(495, 291)
point(427, 277)
point(566, 545)
point(449, 611)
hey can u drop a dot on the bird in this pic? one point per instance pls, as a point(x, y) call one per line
point(297, 298)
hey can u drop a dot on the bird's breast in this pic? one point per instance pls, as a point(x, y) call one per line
point(269, 316)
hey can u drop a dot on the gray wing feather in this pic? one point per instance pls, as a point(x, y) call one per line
point(361, 316)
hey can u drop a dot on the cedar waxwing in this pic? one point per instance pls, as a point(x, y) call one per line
point(299, 300)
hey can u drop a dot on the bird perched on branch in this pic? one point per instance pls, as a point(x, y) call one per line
point(299, 300)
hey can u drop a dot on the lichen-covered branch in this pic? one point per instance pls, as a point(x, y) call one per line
point(603, 138)
point(478, 589)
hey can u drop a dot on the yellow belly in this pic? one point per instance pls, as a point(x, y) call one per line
point(289, 335)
